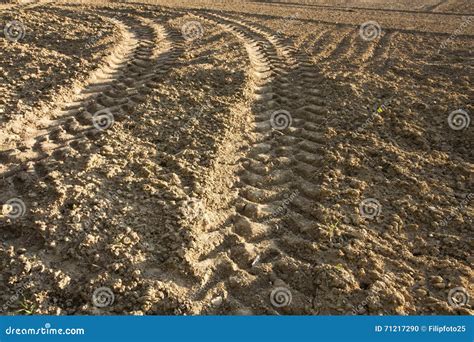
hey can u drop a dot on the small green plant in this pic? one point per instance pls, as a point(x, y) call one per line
point(28, 308)
point(332, 227)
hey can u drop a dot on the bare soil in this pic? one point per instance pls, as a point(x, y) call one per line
point(188, 197)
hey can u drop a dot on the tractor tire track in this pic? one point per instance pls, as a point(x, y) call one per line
point(276, 172)
point(123, 81)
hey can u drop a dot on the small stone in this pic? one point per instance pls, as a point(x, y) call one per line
point(107, 149)
point(27, 267)
point(217, 301)
point(421, 292)
point(255, 262)
point(234, 282)
point(436, 279)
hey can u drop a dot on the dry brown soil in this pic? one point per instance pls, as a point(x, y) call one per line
point(193, 201)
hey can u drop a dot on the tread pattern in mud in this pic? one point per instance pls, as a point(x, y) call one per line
point(280, 168)
point(144, 54)
point(279, 229)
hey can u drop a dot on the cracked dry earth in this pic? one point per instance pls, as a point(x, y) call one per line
point(188, 198)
